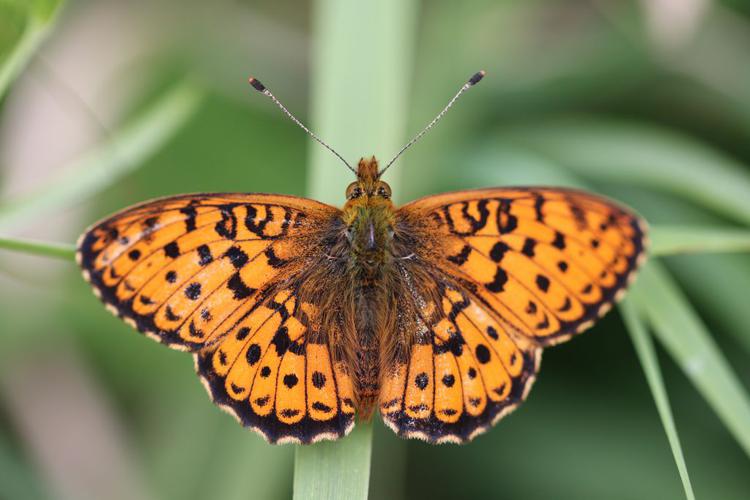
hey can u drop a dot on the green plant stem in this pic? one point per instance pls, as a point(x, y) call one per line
point(39, 18)
point(362, 66)
point(671, 240)
point(335, 469)
point(106, 164)
point(676, 324)
point(45, 249)
point(644, 348)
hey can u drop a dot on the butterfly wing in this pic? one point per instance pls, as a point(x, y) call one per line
point(499, 274)
point(207, 273)
point(549, 261)
point(275, 373)
point(466, 374)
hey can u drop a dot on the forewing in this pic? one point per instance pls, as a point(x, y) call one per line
point(184, 269)
point(547, 261)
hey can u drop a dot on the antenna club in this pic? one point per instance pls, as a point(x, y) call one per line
point(477, 77)
point(256, 84)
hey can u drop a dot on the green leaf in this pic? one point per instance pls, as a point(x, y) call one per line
point(670, 240)
point(106, 164)
point(644, 347)
point(339, 469)
point(688, 341)
point(353, 115)
point(645, 155)
point(23, 27)
point(57, 250)
point(19, 480)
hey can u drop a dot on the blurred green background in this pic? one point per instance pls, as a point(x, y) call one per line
point(648, 102)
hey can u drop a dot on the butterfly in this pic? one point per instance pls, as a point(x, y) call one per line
point(301, 315)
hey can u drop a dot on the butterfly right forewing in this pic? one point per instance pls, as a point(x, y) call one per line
point(549, 261)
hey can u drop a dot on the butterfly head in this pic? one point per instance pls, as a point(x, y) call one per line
point(368, 189)
point(368, 214)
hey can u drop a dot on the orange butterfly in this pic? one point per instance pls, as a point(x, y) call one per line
point(300, 315)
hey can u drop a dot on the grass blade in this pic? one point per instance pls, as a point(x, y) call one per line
point(356, 116)
point(18, 479)
point(339, 469)
point(353, 115)
point(644, 347)
point(109, 162)
point(30, 21)
point(645, 155)
point(688, 341)
point(58, 250)
point(670, 240)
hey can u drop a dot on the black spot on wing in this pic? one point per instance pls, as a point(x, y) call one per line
point(273, 260)
point(227, 226)
point(542, 282)
point(204, 255)
point(290, 380)
point(498, 251)
point(498, 282)
point(318, 380)
point(461, 257)
point(506, 222)
point(172, 250)
point(236, 256)
point(240, 289)
point(193, 291)
point(191, 213)
point(528, 247)
point(559, 241)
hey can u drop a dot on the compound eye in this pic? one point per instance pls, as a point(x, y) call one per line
point(384, 191)
point(353, 191)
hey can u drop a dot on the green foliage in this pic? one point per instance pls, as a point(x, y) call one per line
point(687, 339)
point(106, 164)
point(644, 347)
point(24, 24)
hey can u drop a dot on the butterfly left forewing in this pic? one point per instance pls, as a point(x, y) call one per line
point(182, 269)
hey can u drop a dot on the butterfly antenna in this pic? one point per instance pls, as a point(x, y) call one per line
point(257, 85)
point(476, 78)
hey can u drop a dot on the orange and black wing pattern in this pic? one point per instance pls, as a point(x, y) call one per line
point(274, 371)
point(216, 274)
point(466, 371)
point(549, 261)
point(513, 270)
